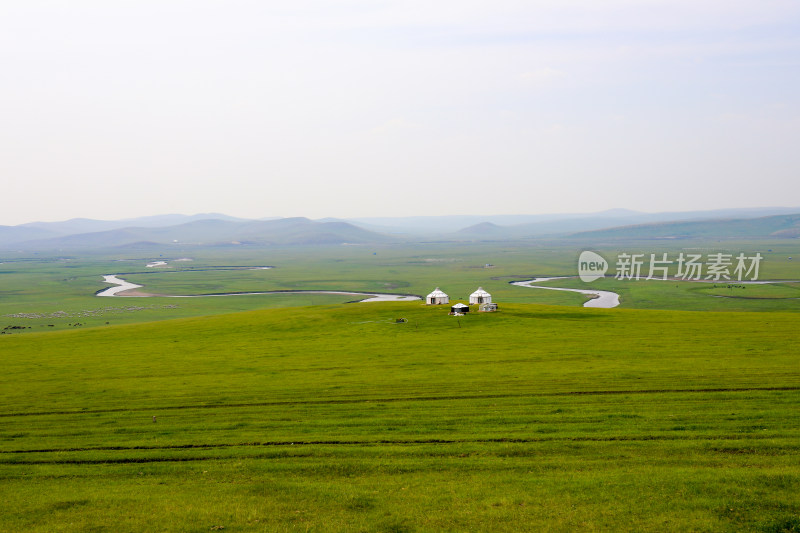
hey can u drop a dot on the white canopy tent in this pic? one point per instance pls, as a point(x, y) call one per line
point(480, 297)
point(437, 297)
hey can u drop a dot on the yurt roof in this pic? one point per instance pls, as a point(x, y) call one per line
point(437, 293)
point(460, 306)
point(480, 292)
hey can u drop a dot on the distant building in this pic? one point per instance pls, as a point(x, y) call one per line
point(487, 308)
point(459, 309)
point(437, 297)
point(480, 297)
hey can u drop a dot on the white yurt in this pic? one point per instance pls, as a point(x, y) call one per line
point(459, 309)
point(480, 297)
point(437, 297)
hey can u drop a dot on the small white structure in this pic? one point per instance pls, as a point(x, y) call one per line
point(480, 297)
point(459, 309)
point(437, 297)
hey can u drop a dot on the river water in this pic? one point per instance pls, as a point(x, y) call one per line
point(123, 286)
point(603, 299)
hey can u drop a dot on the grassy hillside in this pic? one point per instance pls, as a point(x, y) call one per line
point(782, 226)
point(340, 418)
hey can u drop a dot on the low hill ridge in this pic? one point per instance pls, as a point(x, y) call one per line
point(288, 231)
point(780, 226)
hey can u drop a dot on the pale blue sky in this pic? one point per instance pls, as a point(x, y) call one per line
point(365, 108)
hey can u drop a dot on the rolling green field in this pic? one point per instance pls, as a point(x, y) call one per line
point(43, 293)
point(300, 412)
point(337, 417)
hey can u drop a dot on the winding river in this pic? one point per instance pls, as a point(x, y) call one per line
point(608, 299)
point(123, 286)
point(599, 299)
point(602, 299)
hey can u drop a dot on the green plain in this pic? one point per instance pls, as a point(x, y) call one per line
point(335, 417)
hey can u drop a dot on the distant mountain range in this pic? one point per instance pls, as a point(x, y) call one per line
point(87, 225)
point(198, 231)
point(780, 226)
point(550, 224)
point(215, 229)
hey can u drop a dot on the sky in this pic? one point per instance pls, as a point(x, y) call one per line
point(354, 108)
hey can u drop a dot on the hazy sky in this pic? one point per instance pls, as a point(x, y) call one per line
point(122, 108)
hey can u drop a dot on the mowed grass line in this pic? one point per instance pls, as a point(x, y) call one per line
point(634, 416)
point(483, 487)
point(338, 418)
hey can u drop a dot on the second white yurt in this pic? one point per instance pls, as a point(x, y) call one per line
point(459, 309)
point(480, 297)
point(437, 297)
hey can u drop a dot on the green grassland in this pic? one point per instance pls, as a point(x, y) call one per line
point(770, 291)
point(339, 418)
point(44, 293)
point(287, 417)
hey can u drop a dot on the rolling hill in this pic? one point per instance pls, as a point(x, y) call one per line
point(88, 225)
point(287, 231)
point(516, 226)
point(596, 224)
point(9, 235)
point(780, 226)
